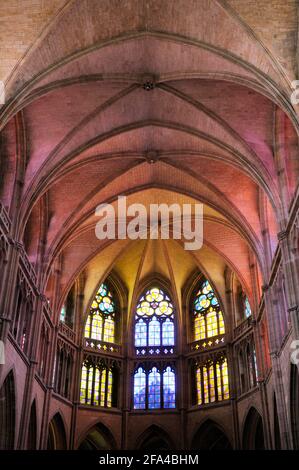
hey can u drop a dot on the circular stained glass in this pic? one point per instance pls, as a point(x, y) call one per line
point(154, 302)
point(104, 301)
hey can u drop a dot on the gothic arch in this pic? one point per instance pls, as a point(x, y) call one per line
point(210, 436)
point(32, 428)
point(154, 438)
point(98, 437)
point(276, 429)
point(140, 288)
point(294, 404)
point(57, 435)
point(188, 295)
point(7, 412)
point(253, 432)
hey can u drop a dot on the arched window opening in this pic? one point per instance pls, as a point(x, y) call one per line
point(154, 439)
point(32, 429)
point(294, 404)
point(212, 381)
point(100, 326)
point(57, 435)
point(21, 322)
point(253, 435)
point(154, 388)
point(7, 413)
point(154, 323)
point(277, 440)
point(68, 309)
point(210, 437)
point(247, 308)
point(43, 349)
point(247, 364)
point(98, 384)
point(98, 438)
point(252, 369)
point(208, 319)
point(63, 370)
point(242, 372)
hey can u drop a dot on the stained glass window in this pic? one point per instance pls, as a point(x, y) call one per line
point(154, 321)
point(168, 332)
point(169, 388)
point(208, 318)
point(212, 381)
point(63, 313)
point(247, 307)
point(154, 388)
point(140, 333)
point(100, 323)
point(139, 388)
point(96, 385)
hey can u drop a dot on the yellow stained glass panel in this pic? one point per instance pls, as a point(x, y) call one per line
point(96, 396)
point(89, 385)
point(109, 330)
point(212, 383)
point(225, 380)
point(212, 326)
point(199, 328)
point(221, 324)
point(96, 327)
point(198, 386)
point(109, 390)
point(103, 387)
point(205, 385)
point(87, 328)
point(219, 384)
point(83, 384)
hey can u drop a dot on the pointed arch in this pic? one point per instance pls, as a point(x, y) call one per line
point(57, 435)
point(103, 319)
point(210, 436)
point(277, 439)
point(155, 438)
point(154, 321)
point(294, 404)
point(253, 431)
point(207, 313)
point(32, 428)
point(7, 412)
point(98, 437)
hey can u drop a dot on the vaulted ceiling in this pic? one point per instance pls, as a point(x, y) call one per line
point(214, 127)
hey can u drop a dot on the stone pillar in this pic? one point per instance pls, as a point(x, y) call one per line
point(284, 425)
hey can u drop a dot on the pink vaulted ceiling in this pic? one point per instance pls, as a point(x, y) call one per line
point(210, 124)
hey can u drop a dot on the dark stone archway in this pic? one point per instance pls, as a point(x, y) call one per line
point(7, 413)
point(210, 437)
point(253, 433)
point(98, 438)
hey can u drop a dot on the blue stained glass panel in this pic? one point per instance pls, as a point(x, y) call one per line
point(140, 333)
point(154, 332)
point(139, 389)
point(247, 308)
point(169, 388)
point(168, 333)
point(154, 389)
